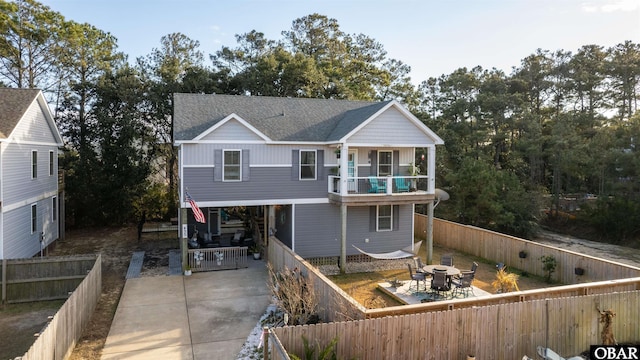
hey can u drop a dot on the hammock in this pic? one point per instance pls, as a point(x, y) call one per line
point(398, 254)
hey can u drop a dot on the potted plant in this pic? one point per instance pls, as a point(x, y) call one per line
point(255, 249)
point(414, 170)
point(187, 270)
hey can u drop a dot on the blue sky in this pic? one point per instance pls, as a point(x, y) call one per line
point(433, 37)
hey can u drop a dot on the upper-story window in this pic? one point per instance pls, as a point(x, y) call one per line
point(232, 165)
point(384, 218)
point(34, 164)
point(385, 163)
point(51, 163)
point(307, 164)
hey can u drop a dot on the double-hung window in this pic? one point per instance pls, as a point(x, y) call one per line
point(51, 163)
point(34, 164)
point(308, 165)
point(385, 163)
point(384, 218)
point(232, 165)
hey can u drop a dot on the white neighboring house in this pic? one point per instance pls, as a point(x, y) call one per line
point(29, 198)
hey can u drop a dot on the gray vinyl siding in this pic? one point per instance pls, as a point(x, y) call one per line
point(317, 230)
point(232, 130)
point(263, 183)
point(16, 169)
point(19, 242)
point(33, 126)
point(391, 127)
point(261, 154)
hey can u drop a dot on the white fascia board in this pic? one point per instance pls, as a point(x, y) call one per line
point(228, 203)
point(230, 117)
point(394, 103)
point(44, 107)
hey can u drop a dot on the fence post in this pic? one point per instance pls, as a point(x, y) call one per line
point(265, 343)
point(4, 281)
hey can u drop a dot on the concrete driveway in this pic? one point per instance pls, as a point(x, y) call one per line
point(207, 315)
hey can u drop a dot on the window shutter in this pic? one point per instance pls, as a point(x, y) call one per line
point(245, 165)
point(373, 159)
point(396, 162)
point(373, 214)
point(217, 165)
point(396, 217)
point(295, 164)
point(320, 165)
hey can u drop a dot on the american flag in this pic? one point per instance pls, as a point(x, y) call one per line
point(197, 213)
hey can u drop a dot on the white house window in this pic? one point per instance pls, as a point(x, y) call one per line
point(385, 163)
point(51, 163)
point(54, 208)
point(232, 165)
point(34, 218)
point(34, 164)
point(384, 218)
point(307, 164)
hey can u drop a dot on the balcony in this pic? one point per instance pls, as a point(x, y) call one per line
point(380, 190)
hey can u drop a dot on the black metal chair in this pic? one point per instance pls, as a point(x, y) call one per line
point(446, 259)
point(439, 282)
point(474, 267)
point(419, 265)
point(417, 277)
point(464, 283)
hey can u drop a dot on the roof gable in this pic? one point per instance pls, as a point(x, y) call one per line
point(232, 127)
point(14, 106)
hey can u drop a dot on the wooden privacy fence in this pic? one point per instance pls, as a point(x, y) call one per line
point(506, 249)
point(336, 304)
point(502, 332)
point(59, 337)
point(40, 279)
point(221, 258)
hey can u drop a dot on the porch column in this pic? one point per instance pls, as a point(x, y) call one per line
point(183, 236)
point(344, 169)
point(343, 238)
point(431, 166)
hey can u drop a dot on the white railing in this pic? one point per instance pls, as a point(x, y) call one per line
point(375, 185)
point(222, 258)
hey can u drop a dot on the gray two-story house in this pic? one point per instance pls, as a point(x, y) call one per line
point(330, 173)
point(29, 199)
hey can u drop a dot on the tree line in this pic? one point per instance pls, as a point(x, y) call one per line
point(560, 123)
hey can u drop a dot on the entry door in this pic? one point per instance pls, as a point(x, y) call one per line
point(352, 171)
point(214, 221)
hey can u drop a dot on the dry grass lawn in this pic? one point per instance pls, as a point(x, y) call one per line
point(363, 287)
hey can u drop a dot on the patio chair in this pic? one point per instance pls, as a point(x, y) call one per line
point(401, 184)
point(419, 265)
point(376, 186)
point(417, 277)
point(474, 267)
point(446, 259)
point(548, 354)
point(439, 282)
point(463, 284)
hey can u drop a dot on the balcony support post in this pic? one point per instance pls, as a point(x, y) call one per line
point(343, 238)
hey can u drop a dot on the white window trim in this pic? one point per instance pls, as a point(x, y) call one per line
point(239, 165)
point(52, 163)
point(34, 175)
point(34, 219)
point(378, 218)
point(315, 164)
point(391, 164)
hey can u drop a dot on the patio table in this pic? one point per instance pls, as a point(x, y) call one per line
point(451, 270)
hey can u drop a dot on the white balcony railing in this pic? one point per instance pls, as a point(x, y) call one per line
point(376, 185)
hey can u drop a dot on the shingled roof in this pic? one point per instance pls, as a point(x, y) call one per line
point(13, 104)
point(281, 119)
